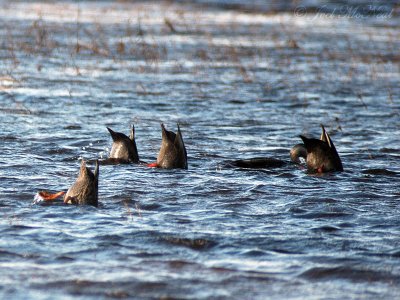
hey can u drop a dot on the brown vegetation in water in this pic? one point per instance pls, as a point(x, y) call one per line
point(250, 45)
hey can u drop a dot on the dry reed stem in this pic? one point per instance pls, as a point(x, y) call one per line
point(128, 210)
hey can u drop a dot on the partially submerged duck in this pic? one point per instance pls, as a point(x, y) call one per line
point(256, 163)
point(172, 153)
point(124, 148)
point(320, 154)
point(85, 189)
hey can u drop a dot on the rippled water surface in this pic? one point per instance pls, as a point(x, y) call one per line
point(241, 84)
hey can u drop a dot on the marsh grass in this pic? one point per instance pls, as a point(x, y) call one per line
point(128, 210)
point(79, 43)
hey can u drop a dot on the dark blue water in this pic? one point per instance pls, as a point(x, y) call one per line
point(241, 85)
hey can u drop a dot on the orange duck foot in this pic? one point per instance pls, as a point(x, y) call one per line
point(153, 165)
point(46, 196)
point(49, 197)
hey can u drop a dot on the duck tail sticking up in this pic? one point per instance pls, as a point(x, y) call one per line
point(322, 155)
point(180, 145)
point(172, 154)
point(84, 190)
point(326, 138)
point(124, 148)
